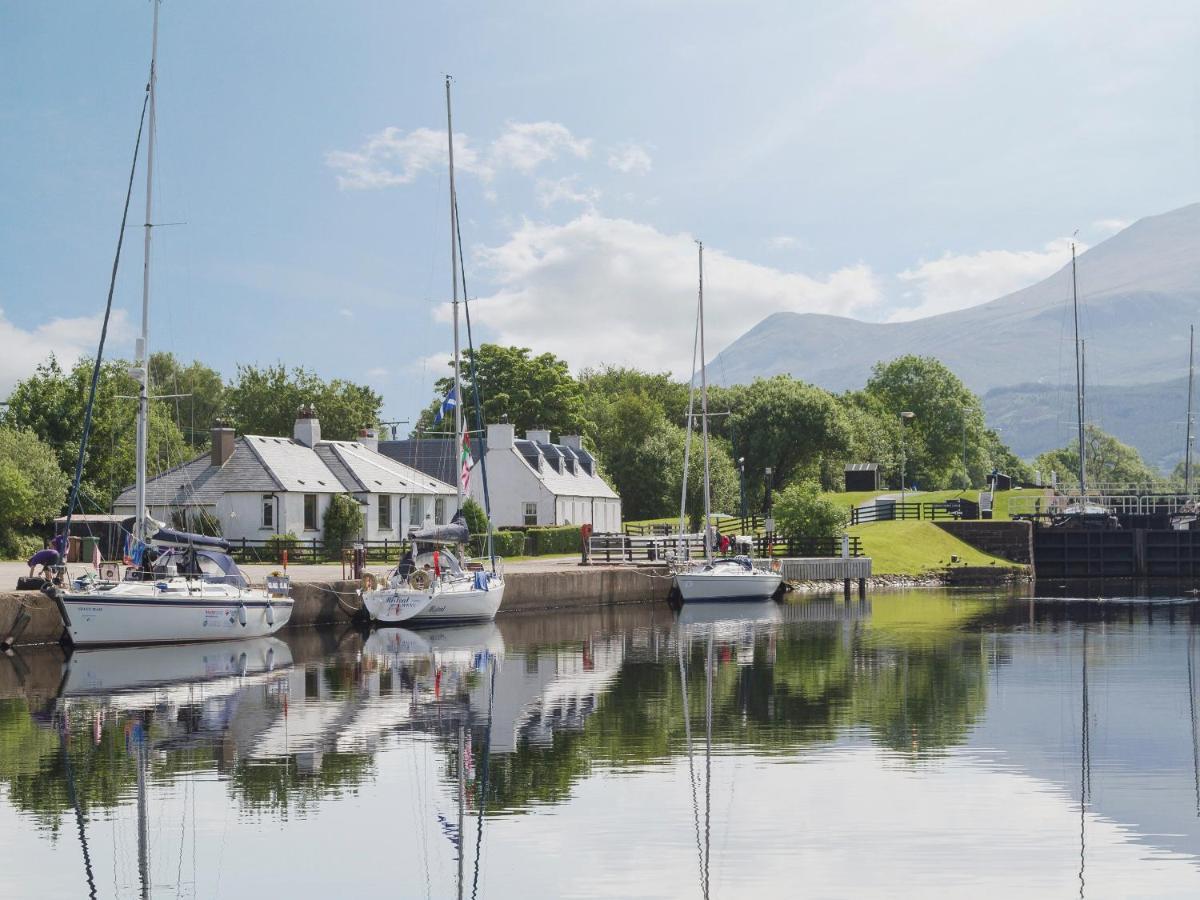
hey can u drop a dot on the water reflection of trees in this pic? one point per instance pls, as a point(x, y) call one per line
point(777, 690)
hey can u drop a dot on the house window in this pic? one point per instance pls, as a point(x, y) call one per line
point(268, 511)
point(531, 513)
point(310, 512)
point(416, 511)
point(385, 512)
point(439, 510)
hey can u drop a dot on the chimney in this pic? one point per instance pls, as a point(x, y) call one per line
point(222, 444)
point(308, 427)
point(537, 436)
point(500, 436)
point(571, 441)
point(368, 438)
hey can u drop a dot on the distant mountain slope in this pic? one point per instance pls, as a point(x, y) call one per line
point(1033, 418)
point(1139, 290)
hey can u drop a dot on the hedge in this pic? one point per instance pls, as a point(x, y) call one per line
point(546, 540)
point(504, 543)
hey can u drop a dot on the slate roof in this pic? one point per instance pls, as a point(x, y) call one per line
point(262, 464)
point(438, 458)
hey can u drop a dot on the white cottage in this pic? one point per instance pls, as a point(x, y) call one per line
point(531, 480)
point(257, 486)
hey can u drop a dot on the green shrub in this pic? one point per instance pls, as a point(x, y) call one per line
point(342, 523)
point(475, 516)
point(504, 543)
point(277, 543)
point(560, 539)
point(801, 512)
point(17, 544)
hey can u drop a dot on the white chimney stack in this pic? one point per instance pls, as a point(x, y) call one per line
point(500, 436)
point(308, 427)
point(369, 439)
point(538, 436)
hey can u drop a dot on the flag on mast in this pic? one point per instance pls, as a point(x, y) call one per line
point(467, 462)
point(447, 406)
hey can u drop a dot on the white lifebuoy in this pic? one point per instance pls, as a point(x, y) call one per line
point(419, 580)
point(368, 581)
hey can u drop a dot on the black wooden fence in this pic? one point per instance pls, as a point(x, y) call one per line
point(933, 512)
point(740, 525)
point(615, 548)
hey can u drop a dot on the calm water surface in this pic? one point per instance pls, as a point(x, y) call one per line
point(919, 744)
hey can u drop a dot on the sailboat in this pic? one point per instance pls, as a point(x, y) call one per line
point(183, 587)
point(431, 584)
point(721, 578)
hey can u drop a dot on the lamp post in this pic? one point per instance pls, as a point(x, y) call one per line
point(742, 486)
point(966, 472)
point(769, 524)
point(905, 418)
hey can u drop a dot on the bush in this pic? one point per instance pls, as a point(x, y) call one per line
point(277, 543)
point(561, 539)
point(801, 512)
point(476, 518)
point(18, 545)
point(343, 522)
point(504, 543)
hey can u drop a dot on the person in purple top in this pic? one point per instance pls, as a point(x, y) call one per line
point(48, 559)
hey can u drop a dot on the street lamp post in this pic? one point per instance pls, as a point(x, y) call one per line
point(770, 519)
point(742, 486)
point(905, 418)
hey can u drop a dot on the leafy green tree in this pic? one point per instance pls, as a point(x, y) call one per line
point(788, 425)
point(529, 392)
point(801, 511)
point(32, 486)
point(1109, 462)
point(265, 401)
point(204, 390)
point(343, 522)
point(649, 476)
point(51, 402)
point(944, 412)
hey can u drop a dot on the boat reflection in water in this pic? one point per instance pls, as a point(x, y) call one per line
point(933, 740)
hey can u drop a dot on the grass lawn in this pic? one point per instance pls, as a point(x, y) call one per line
point(914, 548)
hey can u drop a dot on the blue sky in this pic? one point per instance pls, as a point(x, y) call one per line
point(876, 160)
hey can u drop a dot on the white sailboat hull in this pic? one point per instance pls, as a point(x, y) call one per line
point(708, 585)
point(140, 613)
point(452, 601)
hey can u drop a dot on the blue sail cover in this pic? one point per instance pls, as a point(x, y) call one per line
point(454, 532)
point(167, 537)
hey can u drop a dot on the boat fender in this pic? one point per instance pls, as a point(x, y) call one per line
point(419, 580)
point(242, 615)
point(270, 614)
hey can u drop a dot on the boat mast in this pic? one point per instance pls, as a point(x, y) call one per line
point(458, 423)
point(1079, 385)
point(1187, 453)
point(704, 412)
point(141, 369)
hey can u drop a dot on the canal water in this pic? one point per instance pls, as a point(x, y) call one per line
point(926, 744)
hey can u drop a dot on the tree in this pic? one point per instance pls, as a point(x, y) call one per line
point(265, 400)
point(1109, 462)
point(788, 425)
point(51, 402)
point(343, 522)
point(204, 392)
point(32, 486)
point(945, 411)
point(528, 392)
point(802, 512)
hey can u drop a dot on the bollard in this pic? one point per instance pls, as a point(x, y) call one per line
point(846, 588)
point(283, 559)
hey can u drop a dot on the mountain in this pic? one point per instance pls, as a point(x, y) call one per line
point(1032, 418)
point(1139, 291)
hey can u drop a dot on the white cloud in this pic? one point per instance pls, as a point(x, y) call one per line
point(393, 157)
point(959, 281)
point(550, 191)
point(602, 290)
point(785, 242)
point(630, 159)
point(1110, 226)
point(347, 313)
point(377, 372)
point(68, 339)
point(526, 145)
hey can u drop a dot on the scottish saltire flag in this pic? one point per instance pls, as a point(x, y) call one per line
point(467, 462)
point(448, 405)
